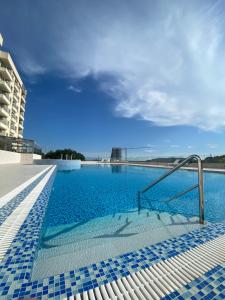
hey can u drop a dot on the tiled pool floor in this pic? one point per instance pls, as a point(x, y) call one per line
point(17, 265)
point(105, 237)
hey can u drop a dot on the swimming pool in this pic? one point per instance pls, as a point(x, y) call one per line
point(92, 213)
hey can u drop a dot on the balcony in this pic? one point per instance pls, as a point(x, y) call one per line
point(17, 87)
point(5, 86)
point(23, 99)
point(20, 135)
point(20, 126)
point(5, 73)
point(4, 99)
point(3, 124)
point(15, 108)
point(4, 112)
point(22, 116)
point(14, 118)
point(13, 130)
point(16, 96)
point(22, 107)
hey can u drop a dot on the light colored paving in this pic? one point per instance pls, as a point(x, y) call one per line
point(9, 196)
point(12, 176)
point(10, 227)
point(162, 278)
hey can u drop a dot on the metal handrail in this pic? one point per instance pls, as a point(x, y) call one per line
point(199, 185)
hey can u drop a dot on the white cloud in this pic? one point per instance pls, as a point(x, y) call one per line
point(32, 68)
point(162, 61)
point(74, 89)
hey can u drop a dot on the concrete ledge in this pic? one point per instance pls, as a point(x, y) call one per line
point(7, 157)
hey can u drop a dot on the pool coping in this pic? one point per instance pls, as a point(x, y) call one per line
point(210, 170)
point(16, 267)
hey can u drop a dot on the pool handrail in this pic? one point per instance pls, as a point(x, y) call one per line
point(199, 185)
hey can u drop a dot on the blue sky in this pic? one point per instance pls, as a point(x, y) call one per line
point(121, 73)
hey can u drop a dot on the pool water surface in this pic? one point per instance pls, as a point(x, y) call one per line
point(93, 213)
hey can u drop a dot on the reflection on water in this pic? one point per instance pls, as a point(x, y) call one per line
point(117, 168)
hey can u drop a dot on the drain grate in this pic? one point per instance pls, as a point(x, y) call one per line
point(162, 278)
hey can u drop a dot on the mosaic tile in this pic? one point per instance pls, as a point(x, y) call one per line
point(16, 267)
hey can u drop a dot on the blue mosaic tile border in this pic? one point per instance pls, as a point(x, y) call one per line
point(9, 207)
point(210, 286)
point(16, 268)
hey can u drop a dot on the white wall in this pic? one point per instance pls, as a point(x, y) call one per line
point(61, 164)
point(7, 157)
point(28, 158)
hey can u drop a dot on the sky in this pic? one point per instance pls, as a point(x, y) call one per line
point(135, 73)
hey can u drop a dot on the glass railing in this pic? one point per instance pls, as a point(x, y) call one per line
point(19, 145)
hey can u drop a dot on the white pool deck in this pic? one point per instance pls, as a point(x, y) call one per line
point(13, 175)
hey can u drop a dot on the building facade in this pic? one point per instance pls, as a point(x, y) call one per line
point(12, 97)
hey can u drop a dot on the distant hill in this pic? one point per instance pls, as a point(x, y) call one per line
point(166, 159)
point(215, 159)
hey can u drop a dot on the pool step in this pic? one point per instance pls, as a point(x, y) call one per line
point(162, 278)
point(72, 255)
point(116, 226)
point(107, 242)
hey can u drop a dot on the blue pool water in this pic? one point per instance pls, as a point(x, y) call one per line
point(97, 191)
point(93, 214)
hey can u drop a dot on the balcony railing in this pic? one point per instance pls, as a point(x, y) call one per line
point(17, 87)
point(5, 85)
point(14, 118)
point(4, 111)
point(22, 107)
point(15, 108)
point(5, 73)
point(3, 124)
point(23, 98)
point(16, 97)
point(19, 145)
point(4, 99)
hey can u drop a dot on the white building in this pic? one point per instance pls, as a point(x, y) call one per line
point(12, 97)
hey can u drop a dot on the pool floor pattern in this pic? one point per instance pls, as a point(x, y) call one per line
point(16, 267)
